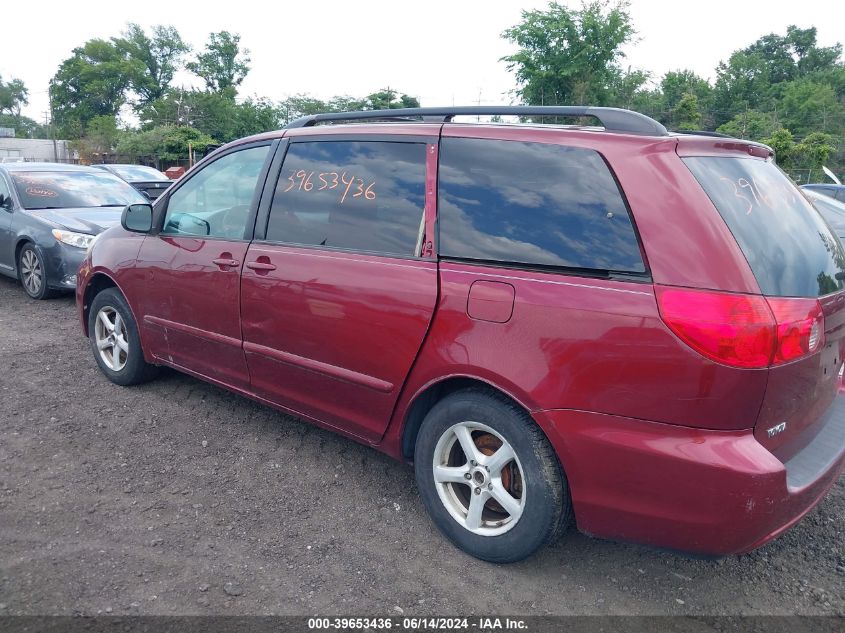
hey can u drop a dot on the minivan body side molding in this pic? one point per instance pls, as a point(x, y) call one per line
point(339, 373)
point(193, 331)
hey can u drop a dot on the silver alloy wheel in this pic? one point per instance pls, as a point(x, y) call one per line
point(110, 337)
point(32, 275)
point(477, 487)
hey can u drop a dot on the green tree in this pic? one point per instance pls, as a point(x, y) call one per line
point(101, 138)
point(255, 115)
point(157, 58)
point(752, 125)
point(92, 82)
point(166, 142)
point(785, 148)
point(625, 86)
point(815, 150)
point(223, 65)
point(387, 99)
point(677, 84)
point(215, 114)
point(686, 115)
point(13, 96)
point(300, 105)
point(743, 82)
point(569, 56)
point(24, 126)
point(345, 103)
point(807, 106)
point(754, 77)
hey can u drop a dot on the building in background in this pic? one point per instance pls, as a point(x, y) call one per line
point(34, 149)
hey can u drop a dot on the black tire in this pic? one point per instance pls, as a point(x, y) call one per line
point(546, 508)
point(32, 273)
point(135, 370)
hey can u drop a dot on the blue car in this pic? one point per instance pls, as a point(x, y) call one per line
point(49, 215)
point(837, 192)
point(831, 209)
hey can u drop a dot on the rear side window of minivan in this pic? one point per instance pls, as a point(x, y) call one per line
point(791, 250)
point(364, 196)
point(533, 204)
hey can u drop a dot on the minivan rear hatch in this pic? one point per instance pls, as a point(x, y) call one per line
point(799, 264)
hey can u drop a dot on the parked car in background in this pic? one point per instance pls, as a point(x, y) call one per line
point(149, 181)
point(49, 215)
point(639, 331)
point(837, 192)
point(831, 209)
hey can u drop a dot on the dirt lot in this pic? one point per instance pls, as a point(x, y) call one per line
point(178, 497)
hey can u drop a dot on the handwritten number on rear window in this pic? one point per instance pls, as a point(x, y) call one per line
point(300, 180)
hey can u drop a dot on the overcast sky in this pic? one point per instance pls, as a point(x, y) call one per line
point(442, 51)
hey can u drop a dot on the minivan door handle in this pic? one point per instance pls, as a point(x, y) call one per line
point(260, 265)
point(225, 263)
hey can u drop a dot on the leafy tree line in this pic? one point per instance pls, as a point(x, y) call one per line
point(784, 90)
point(136, 70)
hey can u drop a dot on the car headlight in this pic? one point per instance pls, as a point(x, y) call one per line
point(80, 240)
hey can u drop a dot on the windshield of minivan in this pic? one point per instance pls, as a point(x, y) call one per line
point(68, 189)
point(788, 245)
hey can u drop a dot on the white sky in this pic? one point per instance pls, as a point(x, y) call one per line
point(442, 51)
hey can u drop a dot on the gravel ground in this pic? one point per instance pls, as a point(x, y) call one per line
point(179, 498)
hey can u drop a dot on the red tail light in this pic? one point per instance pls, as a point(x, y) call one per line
point(740, 330)
point(800, 324)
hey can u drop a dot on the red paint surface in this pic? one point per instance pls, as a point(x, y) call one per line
point(491, 301)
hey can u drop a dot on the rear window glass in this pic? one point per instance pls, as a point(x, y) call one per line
point(790, 248)
point(533, 204)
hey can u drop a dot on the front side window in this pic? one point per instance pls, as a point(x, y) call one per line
point(533, 204)
point(73, 189)
point(216, 202)
point(359, 195)
point(4, 188)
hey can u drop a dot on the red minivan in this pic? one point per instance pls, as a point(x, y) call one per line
point(635, 330)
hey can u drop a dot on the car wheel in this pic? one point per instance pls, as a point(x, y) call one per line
point(489, 477)
point(115, 340)
point(32, 273)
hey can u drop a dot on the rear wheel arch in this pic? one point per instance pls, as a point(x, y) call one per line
point(425, 400)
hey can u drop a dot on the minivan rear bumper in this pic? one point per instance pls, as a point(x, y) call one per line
point(709, 492)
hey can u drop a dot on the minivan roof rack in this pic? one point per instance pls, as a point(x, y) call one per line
point(612, 119)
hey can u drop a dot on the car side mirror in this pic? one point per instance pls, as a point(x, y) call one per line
point(5, 202)
point(137, 218)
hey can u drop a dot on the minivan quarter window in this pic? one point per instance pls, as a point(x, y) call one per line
point(216, 201)
point(534, 204)
point(358, 195)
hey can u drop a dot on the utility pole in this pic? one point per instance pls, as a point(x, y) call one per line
point(48, 123)
point(478, 118)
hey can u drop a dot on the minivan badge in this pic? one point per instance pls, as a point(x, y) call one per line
point(776, 430)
